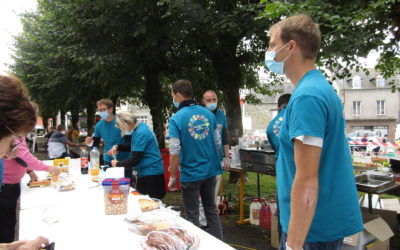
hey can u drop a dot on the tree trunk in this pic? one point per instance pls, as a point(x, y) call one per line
point(75, 117)
point(153, 98)
point(90, 118)
point(45, 120)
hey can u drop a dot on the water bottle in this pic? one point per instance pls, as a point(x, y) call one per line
point(94, 162)
point(84, 161)
point(255, 212)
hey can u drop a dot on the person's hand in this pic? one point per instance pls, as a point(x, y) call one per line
point(172, 184)
point(88, 140)
point(28, 244)
point(33, 176)
point(114, 163)
point(110, 152)
point(54, 170)
point(227, 164)
point(114, 150)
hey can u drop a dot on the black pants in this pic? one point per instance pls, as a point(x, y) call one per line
point(152, 185)
point(205, 189)
point(8, 211)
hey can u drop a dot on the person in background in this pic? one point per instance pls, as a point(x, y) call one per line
point(315, 212)
point(14, 170)
point(194, 142)
point(106, 130)
point(57, 146)
point(276, 123)
point(18, 117)
point(210, 101)
point(73, 133)
point(145, 155)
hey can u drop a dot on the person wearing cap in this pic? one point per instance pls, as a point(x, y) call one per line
point(318, 200)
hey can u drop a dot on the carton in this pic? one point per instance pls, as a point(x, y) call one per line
point(376, 233)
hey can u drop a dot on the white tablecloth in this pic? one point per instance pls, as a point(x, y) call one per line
point(82, 222)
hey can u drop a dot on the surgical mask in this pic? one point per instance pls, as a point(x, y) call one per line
point(128, 132)
point(274, 66)
point(104, 115)
point(211, 106)
point(176, 104)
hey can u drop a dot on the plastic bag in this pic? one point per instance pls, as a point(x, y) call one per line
point(171, 238)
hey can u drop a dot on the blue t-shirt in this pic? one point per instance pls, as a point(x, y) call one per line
point(144, 140)
point(273, 131)
point(1, 173)
point(195, 127)
point(220, 119)
point(316, 110)
point(111, 136)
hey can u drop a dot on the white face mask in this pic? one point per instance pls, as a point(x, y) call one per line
point(272, 65)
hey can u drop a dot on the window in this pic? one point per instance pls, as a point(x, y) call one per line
point(357, 108)
point(142, 119)
point(357, 82)
point(380, 107)
point(380, 81)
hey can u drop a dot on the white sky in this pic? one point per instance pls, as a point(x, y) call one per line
point(10, 25)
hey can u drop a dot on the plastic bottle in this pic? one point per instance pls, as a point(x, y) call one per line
point(265, 215)
point(273, 206)
point(94, 162)
point(84, 161)
point(255, 212)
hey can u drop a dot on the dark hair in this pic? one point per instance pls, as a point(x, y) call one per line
point(183, 87)
point(16, 111)
point(106, 101)
point(284, 99)
point(60, 127)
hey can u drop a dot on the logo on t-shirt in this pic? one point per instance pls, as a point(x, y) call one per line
point(199, 127)
point(277, 126)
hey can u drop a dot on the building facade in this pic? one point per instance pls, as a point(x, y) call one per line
point(370, 104)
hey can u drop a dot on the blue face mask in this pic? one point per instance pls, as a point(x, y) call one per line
point(104, 115)
point(176, 104)
point(274, 66)
point(211, 106)
point(128, 132)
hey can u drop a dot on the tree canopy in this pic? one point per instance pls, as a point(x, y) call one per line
point(72, 53)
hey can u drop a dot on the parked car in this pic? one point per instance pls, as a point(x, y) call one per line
point(359, 134)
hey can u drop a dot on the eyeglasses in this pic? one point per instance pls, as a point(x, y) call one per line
point(16, 142)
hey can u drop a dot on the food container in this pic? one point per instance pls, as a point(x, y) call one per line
point(116, 195)
point(170, 238)
point(151, 221)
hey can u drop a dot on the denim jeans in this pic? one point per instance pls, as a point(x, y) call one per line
point(331, 245)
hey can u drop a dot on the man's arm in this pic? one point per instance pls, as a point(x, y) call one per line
point(304, 196)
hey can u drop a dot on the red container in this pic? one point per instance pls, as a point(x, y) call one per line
point(165, 158)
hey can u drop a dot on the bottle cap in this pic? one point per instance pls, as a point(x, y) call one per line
point(262, 199)
point(272, 201)
point(94, 147)
point(255, 200)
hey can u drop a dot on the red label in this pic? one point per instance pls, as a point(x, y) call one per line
point(84, 162)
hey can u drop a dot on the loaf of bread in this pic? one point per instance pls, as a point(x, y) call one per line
point(147, 205)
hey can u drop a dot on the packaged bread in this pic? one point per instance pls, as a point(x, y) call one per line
point(148, 205)
point(43, 183)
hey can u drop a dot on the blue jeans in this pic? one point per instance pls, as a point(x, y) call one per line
point(331, 245)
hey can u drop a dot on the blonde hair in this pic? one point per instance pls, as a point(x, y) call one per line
point(303, 30)
point(125, 121)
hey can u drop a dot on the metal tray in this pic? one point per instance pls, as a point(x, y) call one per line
point(258, 161)
point(372, 182)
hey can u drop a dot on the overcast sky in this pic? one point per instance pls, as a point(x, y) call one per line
point(10, 25)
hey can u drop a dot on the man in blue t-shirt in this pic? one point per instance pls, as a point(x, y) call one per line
point(315, 180)
point(275, 124)
point(194, 142)
point(106, 130)
point(210, 101)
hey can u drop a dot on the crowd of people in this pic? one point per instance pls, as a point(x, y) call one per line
point(307, 135)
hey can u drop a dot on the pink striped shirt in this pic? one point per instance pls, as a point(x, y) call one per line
point(13, 172)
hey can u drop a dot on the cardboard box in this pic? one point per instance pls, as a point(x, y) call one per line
point(274, 232)
point(391, 204)
point(379, 245)
point(376, 230)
